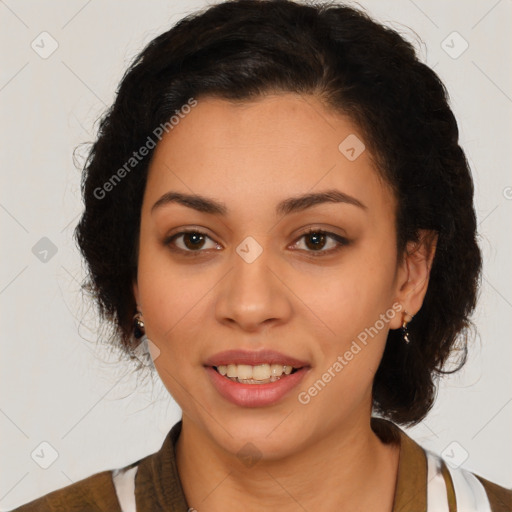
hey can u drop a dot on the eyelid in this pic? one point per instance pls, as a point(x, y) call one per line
point(168, 240)
point(318, 229)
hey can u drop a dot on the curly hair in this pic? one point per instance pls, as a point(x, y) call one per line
point(242, 50)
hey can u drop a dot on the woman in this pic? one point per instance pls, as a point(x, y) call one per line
point(278, 210)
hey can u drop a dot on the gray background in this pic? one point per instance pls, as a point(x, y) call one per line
point(56, 387)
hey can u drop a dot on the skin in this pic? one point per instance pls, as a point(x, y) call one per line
point(250, 156)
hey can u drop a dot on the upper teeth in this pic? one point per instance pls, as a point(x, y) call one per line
point(258, 372)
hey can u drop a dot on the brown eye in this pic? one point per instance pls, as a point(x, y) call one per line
point(190, 242)
point(320, 243)
point(315, 240)
point(193, 240)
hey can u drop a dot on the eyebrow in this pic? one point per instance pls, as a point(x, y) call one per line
point(285, 207)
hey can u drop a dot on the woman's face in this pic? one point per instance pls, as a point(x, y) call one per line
point(249, 278)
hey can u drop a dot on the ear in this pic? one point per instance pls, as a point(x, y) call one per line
point(413, 275)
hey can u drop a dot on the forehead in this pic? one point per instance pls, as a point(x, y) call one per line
point(261, 150)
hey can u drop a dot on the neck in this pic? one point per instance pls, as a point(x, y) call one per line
point(349, 468)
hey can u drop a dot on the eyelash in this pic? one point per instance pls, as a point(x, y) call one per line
point(342, 242)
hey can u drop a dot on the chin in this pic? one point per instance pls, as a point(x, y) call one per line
point(263, 436)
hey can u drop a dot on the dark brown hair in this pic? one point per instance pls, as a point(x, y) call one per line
point(241, 50)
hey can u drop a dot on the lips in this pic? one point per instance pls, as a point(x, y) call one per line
point(253, 358)
point(253, 393)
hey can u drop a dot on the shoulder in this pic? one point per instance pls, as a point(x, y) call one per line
point(425, 479)
point(156, 486)
point(468, 490)
point(499, 497)
point(95, 493)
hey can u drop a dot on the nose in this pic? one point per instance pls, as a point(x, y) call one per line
point(253, 295)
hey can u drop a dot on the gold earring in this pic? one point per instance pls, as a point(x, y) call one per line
point(405, 331)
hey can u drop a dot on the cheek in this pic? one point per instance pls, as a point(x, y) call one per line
point(173, 307)
point(354, 303)
point(352, 296)
point(172, 298)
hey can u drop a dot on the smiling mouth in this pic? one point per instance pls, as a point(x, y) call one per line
point(259, 374)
